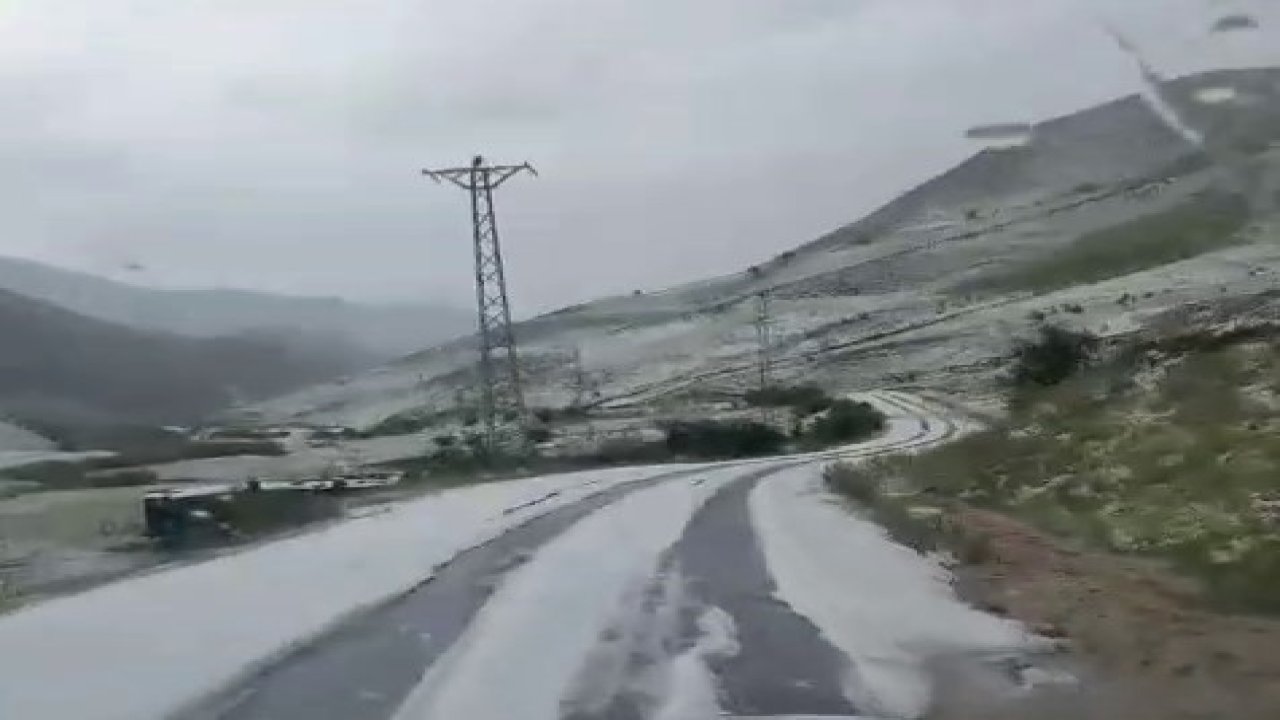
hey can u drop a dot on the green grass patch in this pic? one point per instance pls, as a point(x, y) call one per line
point(1183, 468)
point(1206, 222)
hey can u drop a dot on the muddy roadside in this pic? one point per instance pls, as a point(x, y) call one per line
point(1140, 640)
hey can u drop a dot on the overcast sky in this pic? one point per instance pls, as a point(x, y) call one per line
point(276, 144)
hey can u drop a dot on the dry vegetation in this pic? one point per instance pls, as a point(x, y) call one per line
point(1133, 507)
point(1171, 458)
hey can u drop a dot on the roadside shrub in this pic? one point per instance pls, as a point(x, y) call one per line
point(622, 451)
point(197, 450)
point(713, 439)
point(550, 415)
point(847, 421)
point(846, 480)
point(405, 423)
point(1052, 357)
point(69, 475)
point(50, 474)
point(863, 485)
point(133, 477)
point(804, 399)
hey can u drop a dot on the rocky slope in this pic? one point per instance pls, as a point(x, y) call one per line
point(1102, 219)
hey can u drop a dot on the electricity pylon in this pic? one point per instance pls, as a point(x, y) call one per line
point(764, 358)
point(764, 340)
point(501, 395)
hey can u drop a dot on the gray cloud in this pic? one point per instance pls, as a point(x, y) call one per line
point(275, 143)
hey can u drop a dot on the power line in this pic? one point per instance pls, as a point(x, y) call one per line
point(501, 394)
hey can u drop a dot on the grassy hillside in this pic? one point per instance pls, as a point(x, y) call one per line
point(1205, 222)
point(1167, 452)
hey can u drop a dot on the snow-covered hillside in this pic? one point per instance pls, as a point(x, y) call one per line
point(930, 291)
point(17, 438)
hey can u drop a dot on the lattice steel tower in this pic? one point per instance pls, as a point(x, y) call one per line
point(764, 356)
point(501, 395)
point(764, 340)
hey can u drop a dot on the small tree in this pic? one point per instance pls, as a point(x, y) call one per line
point(847, 421)
point(1052, 357)
point(805, 399)
point(714, 439)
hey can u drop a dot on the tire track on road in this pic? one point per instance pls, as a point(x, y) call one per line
point(782, 666)
point(365, 668)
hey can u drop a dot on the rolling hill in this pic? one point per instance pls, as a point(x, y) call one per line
point(1108, 219)
point(58, 367)
point(381, 331)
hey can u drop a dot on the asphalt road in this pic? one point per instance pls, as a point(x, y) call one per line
point(365, 669)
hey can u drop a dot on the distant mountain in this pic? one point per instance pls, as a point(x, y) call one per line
point(59, 368)
point(1125, 139)
point(384, 331)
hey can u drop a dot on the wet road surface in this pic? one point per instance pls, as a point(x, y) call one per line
point(364, 669)
point(783, 666)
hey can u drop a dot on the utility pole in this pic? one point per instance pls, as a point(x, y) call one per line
point(582, 387)
point(501, 395)
point(579, 379)
point(764, 339)
point(764, 358)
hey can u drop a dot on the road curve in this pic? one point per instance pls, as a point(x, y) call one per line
point(367, 668)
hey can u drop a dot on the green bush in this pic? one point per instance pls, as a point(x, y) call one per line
point(405, 423)
point(54, 474)
point(847, 480)
point(133, 477)
point(865, 487)
point(628, 452)
point(712, 439)
point(69, 475)
point(846, 421)
point(1052, 357)
point(62, 474)
point(804, 399)
point(549, 415)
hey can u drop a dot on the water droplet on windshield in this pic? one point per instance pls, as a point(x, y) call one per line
point(1217, 95)
point(1233, 23)
point(1001, 134)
